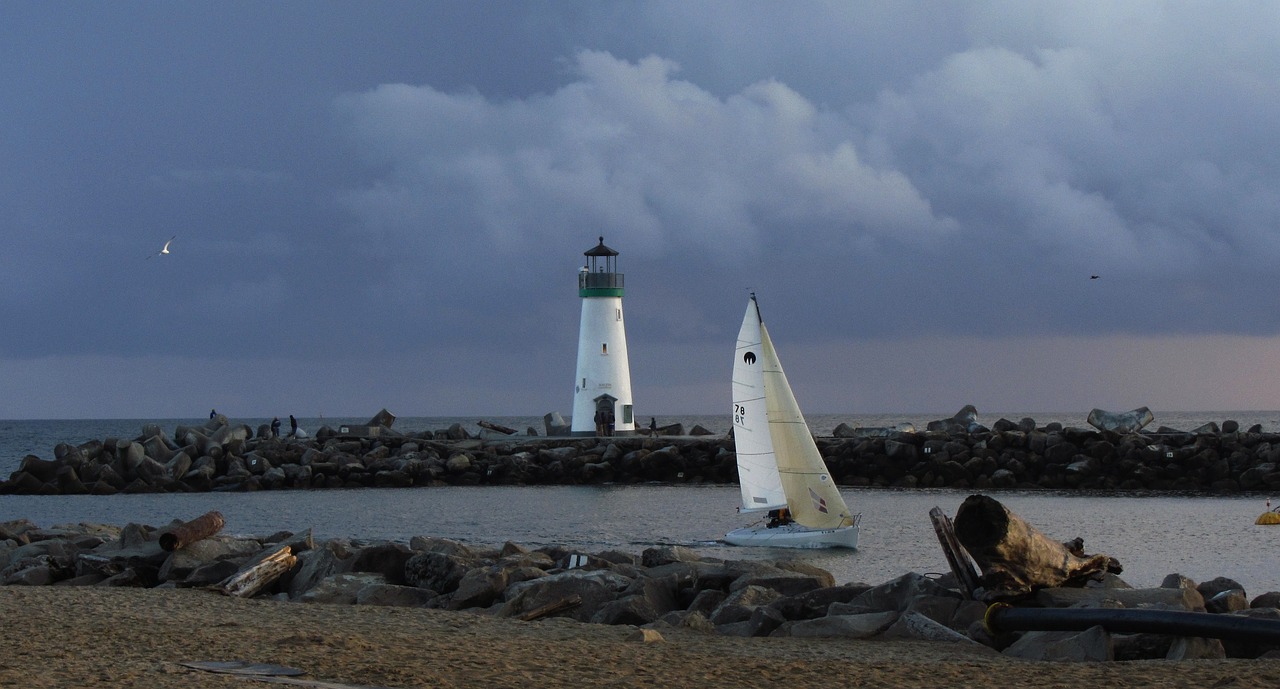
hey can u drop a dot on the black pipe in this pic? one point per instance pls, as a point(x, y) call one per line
point(1002, 617)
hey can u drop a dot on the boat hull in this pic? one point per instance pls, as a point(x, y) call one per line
point(794, 536)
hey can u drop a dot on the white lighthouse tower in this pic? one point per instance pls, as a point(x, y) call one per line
point(602, 390)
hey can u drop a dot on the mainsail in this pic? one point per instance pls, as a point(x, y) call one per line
point(811, 493)
point(758, 476)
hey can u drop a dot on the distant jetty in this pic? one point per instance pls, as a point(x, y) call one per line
point(959, 452)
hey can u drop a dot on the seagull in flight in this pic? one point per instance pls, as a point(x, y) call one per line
point(1091, 277)
point(165, 250)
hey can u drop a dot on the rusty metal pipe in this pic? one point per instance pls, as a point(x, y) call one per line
point(186, 533)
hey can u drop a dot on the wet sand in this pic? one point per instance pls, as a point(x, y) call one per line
point(109, 637)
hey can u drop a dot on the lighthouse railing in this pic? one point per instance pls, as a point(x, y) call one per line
point(599, 280)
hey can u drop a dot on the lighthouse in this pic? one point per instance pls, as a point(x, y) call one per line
point(602, 388)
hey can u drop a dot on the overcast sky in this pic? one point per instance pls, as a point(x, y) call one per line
point(386, 204)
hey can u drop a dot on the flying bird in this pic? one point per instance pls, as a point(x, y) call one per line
point(1091, 277)
point(165, 250)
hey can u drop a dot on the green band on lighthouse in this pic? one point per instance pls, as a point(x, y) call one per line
point(600, 292)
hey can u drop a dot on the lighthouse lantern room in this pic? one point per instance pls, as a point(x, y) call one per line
point(602, 390)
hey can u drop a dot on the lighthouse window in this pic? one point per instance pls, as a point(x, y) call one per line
point(604, 348)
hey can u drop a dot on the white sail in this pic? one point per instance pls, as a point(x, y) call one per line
point(758, 476)
point(811, 493)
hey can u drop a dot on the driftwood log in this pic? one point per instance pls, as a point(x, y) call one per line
point(187, 533)
point(496, 427)
point(959, 560)
point(1015, 558)
point(258, 573)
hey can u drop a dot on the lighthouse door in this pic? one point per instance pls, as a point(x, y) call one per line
point(605, 414)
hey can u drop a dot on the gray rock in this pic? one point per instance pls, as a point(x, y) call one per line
point(341, 589)
point(209, 573)
point(644, 601)
point(784, 583)
point(914, 625)
point(815, 603)
point(859, 626)
point(895, 595)
point(391, 595)
point(593, 588)
point(182, 562)
point(1217, 585)
point(689, 619)
point(1090, 645)
point(940, 609)
point(1270, 599)
point(706, 601)
point(739, 605)
point(480, 587)
point(1120, 422)
point(387, 559)
point(1231, 600)
point(316, 565)
point(665, 555)
point(1195, 648)
point(437, 571)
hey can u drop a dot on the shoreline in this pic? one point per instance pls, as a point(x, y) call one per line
point(59, 637)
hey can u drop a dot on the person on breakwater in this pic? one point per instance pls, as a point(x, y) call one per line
point(293, 426)
point(275, 427)
point(213, 413)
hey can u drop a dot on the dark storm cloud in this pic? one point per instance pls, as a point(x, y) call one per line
point(414, 184)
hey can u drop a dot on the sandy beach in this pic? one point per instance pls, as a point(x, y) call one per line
point(113, 637)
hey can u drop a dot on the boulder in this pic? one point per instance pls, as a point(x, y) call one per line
point(896, 595)
point(857, 626)
point(341, 589)
point(1090, 645)
point(656, 557)
point(913, 625)
point(739, 605)
point(437, 571)
point(593, 589)
point(387, 559)
point(316, 565)
point(1120, 422)
point(1217, 585)
point(644, 601)
point(480, 587)
point(391, 595)
point(1231, 600)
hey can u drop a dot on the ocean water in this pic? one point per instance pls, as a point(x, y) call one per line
point(1152, 535)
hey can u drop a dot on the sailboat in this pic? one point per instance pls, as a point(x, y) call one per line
point(780, 470)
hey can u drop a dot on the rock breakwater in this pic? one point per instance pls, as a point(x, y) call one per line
point(659, 589)
point(957, 453)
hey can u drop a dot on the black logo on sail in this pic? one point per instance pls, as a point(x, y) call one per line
point(749, 357)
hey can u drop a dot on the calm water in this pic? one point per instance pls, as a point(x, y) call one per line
point(1200, 537)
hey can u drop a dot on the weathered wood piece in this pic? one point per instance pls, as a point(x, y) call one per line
point(957, 557)
point(496, 427)
point(552, 608)
point(187, 533)
point(259, 573)
point(1015, 557)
